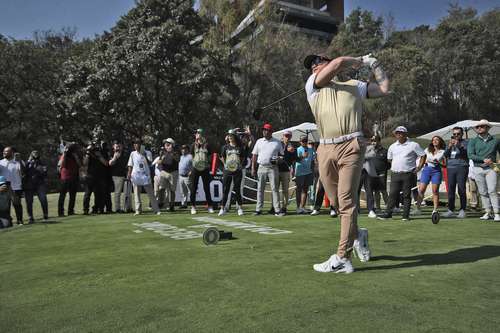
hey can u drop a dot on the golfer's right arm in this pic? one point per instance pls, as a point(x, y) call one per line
point(333, 68)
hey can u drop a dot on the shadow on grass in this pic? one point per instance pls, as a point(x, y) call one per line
point(460, 256)
point(48, 222)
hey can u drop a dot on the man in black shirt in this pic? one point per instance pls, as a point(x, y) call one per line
point(379, 184)
point(285, 163)
point(95, 179)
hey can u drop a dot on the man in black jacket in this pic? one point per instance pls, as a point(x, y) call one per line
point(35, 183)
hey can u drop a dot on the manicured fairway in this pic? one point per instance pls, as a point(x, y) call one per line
point(105, 274)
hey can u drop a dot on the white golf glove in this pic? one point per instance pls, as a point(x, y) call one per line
point(368, 60)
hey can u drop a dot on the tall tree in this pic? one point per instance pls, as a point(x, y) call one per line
point(151, 76)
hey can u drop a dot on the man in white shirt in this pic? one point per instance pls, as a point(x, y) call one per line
point(11, 170)
point(266, 153)
point(403, 155)
point(139, 174)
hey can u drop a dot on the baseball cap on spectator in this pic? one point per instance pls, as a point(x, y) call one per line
point(401, 129)
point(267, 126)
point(170, 140)
point(287, 133)
point(199, 130)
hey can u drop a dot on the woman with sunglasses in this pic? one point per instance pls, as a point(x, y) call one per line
point(434, 160)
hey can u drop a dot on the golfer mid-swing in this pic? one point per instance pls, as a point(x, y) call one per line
point(337, 108)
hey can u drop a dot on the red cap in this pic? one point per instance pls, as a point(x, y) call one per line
point(267, 127)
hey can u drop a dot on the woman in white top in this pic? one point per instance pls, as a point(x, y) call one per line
point(434, 159)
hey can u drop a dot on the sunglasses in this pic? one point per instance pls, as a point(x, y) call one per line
point(457, 134)
point(319, 60)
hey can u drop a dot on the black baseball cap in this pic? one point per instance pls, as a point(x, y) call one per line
point(308, 61)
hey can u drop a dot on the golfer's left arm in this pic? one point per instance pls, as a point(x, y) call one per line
point(379, 87)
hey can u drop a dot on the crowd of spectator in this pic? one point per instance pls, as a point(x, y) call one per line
point(110, 175)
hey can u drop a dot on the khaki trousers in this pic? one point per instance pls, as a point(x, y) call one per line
point(473, 194)
point(118, 182)
point(340, 168)
point(164, 187)
point(263, 174)
point(137, 196)
point(284, 184)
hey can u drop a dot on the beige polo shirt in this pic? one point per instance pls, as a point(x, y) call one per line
point(337, 107)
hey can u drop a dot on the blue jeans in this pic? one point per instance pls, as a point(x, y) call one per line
point(41, 193)
point(457, 176)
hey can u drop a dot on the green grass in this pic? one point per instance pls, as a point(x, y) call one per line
point(94, 274)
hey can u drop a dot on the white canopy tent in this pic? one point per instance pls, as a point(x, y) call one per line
point(467, 125)
point(309, 129)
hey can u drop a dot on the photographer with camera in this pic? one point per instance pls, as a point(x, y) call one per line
point(457, 164)
point(68, 167)
point(266, 153)
point(166, 174)
point(35, 183)
point(95, 180)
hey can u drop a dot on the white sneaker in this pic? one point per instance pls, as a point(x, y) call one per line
point(193, 211)
point(497, 218)
point(372, 214)
point(137, 213)
point(333, 213)
point(300, 211)
point(461, 214)
point(240, 212)
point(335, 264)
point(315, 212)
point(360, 246)
point(416, 211)
point(449, 213)
point(486, 216)
point(210, 210)
point(158, 213)
point(222, 211)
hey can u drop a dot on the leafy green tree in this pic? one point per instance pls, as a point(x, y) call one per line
point(30, 72)
point(150, 76)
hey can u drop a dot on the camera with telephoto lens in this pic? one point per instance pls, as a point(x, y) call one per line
point(92, 148)
point(274, 160)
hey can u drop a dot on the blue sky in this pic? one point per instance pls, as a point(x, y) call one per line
point(19, 18)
